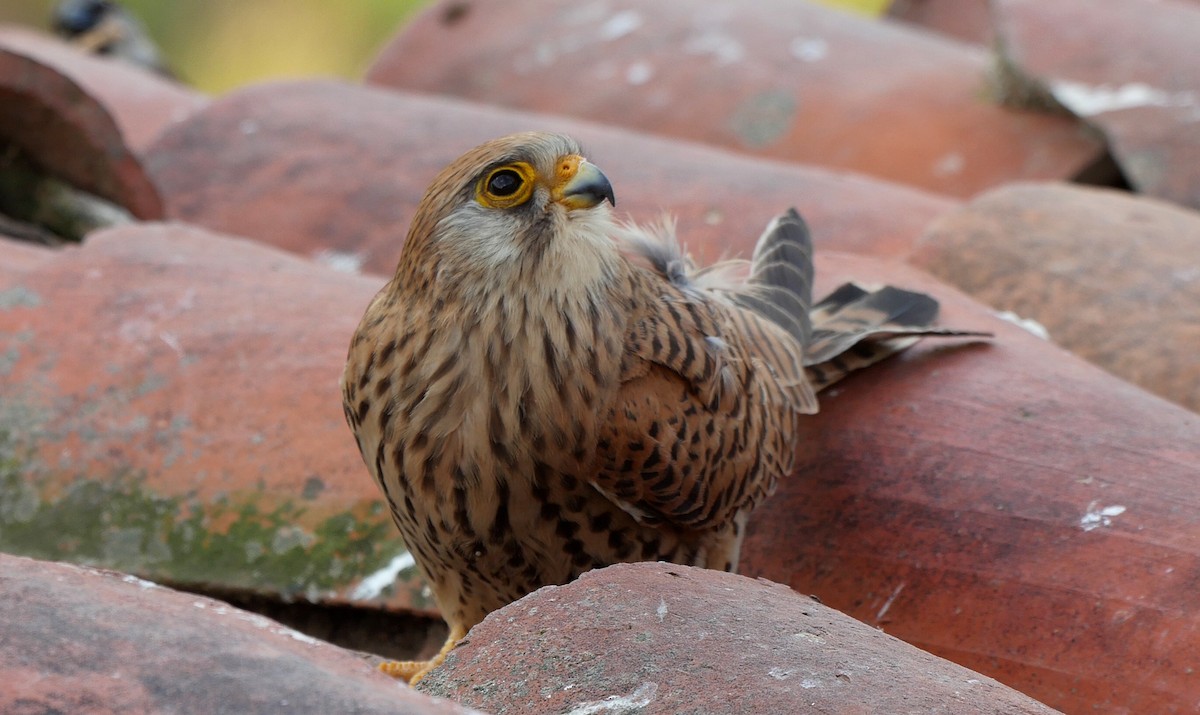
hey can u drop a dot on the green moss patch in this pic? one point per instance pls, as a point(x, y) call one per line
point(255, 542)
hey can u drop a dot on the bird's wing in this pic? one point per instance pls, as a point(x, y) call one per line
point(704, 420)
point(740, 320)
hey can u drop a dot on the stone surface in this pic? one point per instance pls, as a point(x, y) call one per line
point(171, 407)
point(77, 640)
point(141, 103)
point(776, 78)
point(1007, 506)
point(335, 171)
point(1126, 66)
point(659, 638)
point(966, 20)
point(69, 133)
point(1113, 278)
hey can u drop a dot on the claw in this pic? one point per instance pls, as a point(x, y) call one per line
point(412, 671)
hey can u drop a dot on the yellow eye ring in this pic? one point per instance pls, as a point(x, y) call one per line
point(506, 186)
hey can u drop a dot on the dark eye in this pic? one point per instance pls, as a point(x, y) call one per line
point(506, 186)
point(505, 182)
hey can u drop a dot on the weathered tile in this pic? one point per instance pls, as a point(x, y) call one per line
point(16, 257)
point(1114, 278)
point(779, 79)
point(77, 640)
point(660, 638)
point(1007, 506)
point(966, 20)
point(69, 133)
point(171, 407)
point(336, 171)
point(1126, 66)
point(141, 103)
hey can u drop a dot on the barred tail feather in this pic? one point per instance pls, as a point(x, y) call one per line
point(850, 329)
point(854, 327)
point(776, 284)
point(781, 276)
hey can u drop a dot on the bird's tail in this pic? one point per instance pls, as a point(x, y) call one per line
point(781, 276)
point(855, 327)
point(850, 329)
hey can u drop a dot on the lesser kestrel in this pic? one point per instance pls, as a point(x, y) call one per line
point(541, 390)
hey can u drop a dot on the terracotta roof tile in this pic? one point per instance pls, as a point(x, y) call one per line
point(1112, 277)
point(80, 640)
point(335, 171)
point(67, 131)
point(16, 257)
point(1007, 506)
point(1129, 68)
point(190, 383)
point(141, 103)
point(966, 20)
point(778, 78)
point(661, 638)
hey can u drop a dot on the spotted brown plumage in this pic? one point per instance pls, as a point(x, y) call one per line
point(540, 390)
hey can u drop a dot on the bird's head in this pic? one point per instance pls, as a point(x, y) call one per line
point(517, 204)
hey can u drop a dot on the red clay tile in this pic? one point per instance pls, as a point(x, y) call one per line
point(1112, 277)
point(16, 257)
point(141, 103)
point(70, 133)
point(172, 407)
point(1126, 66)
point(1007, 506)
point(335, 171)
point(966, 20)
point(780, 79)
point(659, 638)
point(77, 640)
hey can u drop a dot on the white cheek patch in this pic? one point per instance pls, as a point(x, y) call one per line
point(482, 234)
point(577, 260)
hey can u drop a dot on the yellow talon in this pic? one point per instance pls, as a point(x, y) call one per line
point(413, 670)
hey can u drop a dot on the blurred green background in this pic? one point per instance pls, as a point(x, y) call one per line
point(220, 44)
point(216, 45)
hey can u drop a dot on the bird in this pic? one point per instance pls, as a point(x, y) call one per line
point(542, 389)
point(105, 28)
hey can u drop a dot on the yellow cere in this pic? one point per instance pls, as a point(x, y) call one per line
point(568, 167)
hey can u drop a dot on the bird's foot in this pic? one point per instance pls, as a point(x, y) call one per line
point(412, 671)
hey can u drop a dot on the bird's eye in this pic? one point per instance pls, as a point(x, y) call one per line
point(505, 182)
point(506, 186)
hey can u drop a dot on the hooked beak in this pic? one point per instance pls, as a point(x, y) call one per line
point(580, 185)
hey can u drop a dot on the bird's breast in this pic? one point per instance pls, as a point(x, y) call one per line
point(512, 384)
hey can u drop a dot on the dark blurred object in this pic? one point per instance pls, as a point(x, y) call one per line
point(105, 28)
point(67, 163)
point(40, 207)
